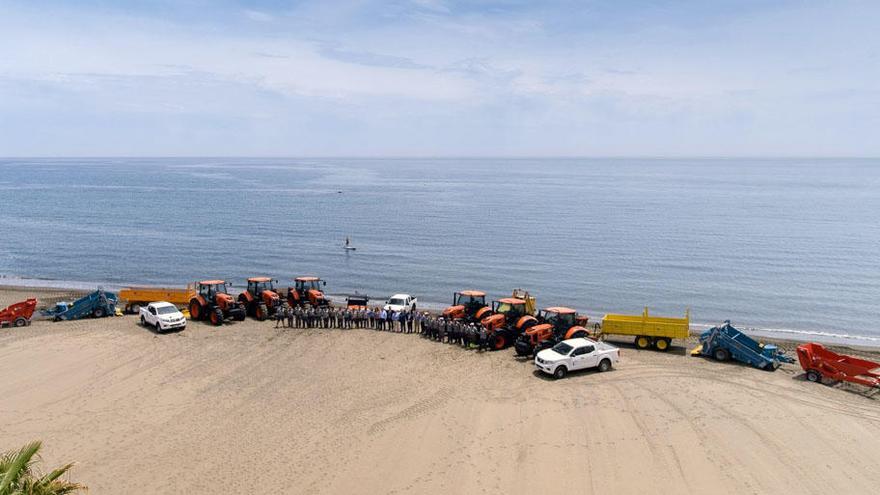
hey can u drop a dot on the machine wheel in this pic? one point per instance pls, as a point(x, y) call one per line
point(560, 372)
point(605, 365)
point(143, 321)
point(662, 344)
point(643, 342)
point(195, 311)
point(260, 312)
point(158, 327)
point(579, 334)
point(814, 376)
point(721, 354)
point(20, 322)
point(98, 313)
point(522, 353)
point(216, 317)
point(499, 341)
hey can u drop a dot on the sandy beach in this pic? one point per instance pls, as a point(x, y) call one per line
point(250, 408)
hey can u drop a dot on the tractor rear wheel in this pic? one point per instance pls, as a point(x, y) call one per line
point(643, 342)
point(721, 354)
point(499, 341)
point(20, 322)
point(260, 312)
point(814, 376)
point(195, 311)
point(216, 317)
point(662, 344)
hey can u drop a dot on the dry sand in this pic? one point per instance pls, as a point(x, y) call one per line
point(247, 408)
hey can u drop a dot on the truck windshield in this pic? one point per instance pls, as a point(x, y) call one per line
point(562, 348)
point(394, 301)
point(166, 310)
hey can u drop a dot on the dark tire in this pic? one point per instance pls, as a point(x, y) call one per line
point(499, 341)
point(643, 342)
point(605, 365)
point(143, 321)
point(560, 372)
point(195, 311)
point(158, 327)
point(579, 334)
point(20, 322)
point(216, 317)
point(260, 312)
point(814, 376)
point(721, 354)
point(661, 344)
point(99, 313)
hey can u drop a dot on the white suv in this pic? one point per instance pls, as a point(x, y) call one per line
point(162, 316)
point(576, 354)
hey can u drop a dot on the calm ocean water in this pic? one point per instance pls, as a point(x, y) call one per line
point(785, 246)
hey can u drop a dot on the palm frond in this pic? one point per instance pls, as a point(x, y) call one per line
point(16, 465)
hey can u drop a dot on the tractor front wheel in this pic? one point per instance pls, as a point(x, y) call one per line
point(195, 311)
point(216, 317)
point(499, 341)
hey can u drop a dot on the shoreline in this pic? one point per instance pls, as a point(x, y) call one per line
point(59, 290)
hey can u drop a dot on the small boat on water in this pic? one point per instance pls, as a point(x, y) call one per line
point(348, 246)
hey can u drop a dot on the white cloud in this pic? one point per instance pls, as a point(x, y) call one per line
point(258, 16)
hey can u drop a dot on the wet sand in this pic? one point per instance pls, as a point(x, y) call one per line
point(248, 408)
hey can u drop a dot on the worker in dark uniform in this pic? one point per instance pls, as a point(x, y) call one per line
point(483, 343)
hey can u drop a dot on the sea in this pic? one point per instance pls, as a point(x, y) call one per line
point(781, 247)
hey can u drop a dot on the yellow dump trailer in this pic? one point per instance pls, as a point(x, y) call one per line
point(649, 331)
point(133, 297)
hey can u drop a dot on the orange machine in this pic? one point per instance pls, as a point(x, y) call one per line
point(556, 324)
point(307, 290)
point(468, 305)
point(212, 302)
point(510, 317)
point(260, 300)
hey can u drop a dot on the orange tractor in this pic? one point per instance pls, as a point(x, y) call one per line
point(212, 302)
point(468, 305)
point(510, 317)
point(260, 300)
point(307, 290)
point(555, 325)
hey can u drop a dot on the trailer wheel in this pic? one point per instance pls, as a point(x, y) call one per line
point(662, 344)
point(643, 342)
point(721, 354)
point(216, 317)
point(814, 376)
point(19, 322)
point(560, 372)
point(605, 365)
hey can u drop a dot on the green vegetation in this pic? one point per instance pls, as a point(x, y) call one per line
point(18, 475)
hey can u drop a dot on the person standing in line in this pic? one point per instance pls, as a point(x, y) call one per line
point(389, 321)
point(395, 318)
point(279, 317)
point(483, 339)
point(382, 315)
point(410, 319)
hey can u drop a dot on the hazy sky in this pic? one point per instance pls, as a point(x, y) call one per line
point(435, 77)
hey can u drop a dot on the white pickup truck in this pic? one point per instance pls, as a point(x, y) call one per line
point(401, 302)
point(576, 354)
point(162, 316)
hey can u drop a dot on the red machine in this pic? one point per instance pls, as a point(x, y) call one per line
point(19, 314)
point(819, 362)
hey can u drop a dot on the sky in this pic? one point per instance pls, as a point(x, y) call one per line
point(439, 78)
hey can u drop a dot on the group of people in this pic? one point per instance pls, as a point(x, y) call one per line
point(332, 317)
point(429, 326)
point(456, 332)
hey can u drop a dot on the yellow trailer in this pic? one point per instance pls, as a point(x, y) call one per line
point(649, 331)
point(139, 296)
